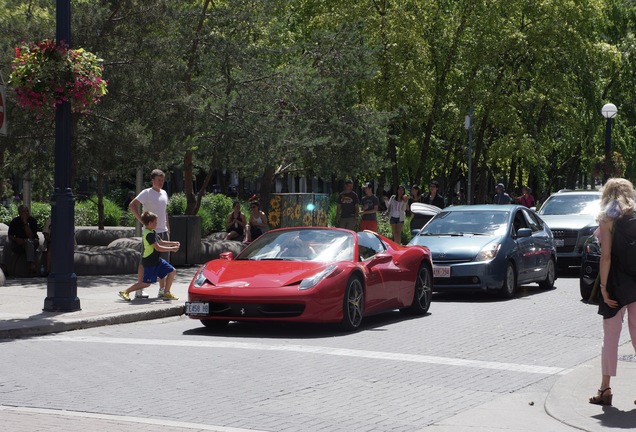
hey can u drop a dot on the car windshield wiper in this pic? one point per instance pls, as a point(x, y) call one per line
point(453, 234)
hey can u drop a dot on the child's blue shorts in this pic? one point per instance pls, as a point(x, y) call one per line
point(160, 271)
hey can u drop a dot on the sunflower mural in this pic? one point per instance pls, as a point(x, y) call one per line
point(291, 210)
point(274, 211)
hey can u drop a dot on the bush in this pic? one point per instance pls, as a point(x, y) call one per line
point(177, 204)
point(40, 211)
point(8, 213)
point(214, 210)
point(86, 212)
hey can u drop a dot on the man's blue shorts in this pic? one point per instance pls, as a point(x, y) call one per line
point(160, 271)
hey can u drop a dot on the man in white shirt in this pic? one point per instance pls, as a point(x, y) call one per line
point(153, 199)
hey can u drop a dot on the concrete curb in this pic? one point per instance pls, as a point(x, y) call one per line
point(30, 329)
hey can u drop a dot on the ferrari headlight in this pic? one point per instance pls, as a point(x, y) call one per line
point(199, 278)
point(311, 281)
point(489, 252)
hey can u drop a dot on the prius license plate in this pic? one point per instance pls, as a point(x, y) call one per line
point(197, 308)
point(441, 271)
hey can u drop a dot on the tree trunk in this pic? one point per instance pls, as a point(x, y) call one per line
point(100, 201)
point(188, 184)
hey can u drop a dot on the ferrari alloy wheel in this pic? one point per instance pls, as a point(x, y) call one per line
point(353, 304)
point(423, 292)
point(509, 288)
point(548, 282)
point(214, 324)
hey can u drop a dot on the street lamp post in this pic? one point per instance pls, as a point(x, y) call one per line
point(609, 111)
point(469, 127)
point(61, 291)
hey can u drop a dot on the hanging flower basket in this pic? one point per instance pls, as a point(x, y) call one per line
point(612, 166)
point(45, 75)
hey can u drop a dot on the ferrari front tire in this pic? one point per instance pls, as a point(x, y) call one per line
point(353, 304)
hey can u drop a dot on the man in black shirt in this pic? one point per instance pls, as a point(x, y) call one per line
point(23, 236)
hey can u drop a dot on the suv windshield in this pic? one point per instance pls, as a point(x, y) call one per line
point(568, 204)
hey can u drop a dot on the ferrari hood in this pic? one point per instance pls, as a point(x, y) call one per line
point(260, 274)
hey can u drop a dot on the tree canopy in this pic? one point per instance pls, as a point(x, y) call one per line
point(369, 89)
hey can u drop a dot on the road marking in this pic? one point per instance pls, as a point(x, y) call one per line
point(128, 419)
point(308, 349)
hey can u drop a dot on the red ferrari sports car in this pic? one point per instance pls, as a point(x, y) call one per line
point(312, 275)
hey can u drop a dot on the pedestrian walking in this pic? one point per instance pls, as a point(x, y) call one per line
point(154, 266)
point(347, 207)
point(153, 199)
point(617, 222)
point(369, 204)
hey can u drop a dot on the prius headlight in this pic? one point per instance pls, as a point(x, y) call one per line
point(489, 252)
point(311, 281)
point(199, 279)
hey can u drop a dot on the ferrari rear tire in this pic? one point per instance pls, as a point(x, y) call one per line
point(214, 324)
point(423, 292)
point(509, 288)
point(353, 304)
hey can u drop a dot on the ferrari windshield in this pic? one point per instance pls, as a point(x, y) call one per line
point(302, 244)
point(468, 222)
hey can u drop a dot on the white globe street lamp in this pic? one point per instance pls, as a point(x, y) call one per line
point(609, 111)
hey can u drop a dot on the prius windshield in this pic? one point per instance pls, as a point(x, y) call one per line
point(303, 244)
point(488, 223)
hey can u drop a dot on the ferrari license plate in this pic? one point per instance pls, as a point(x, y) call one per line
point(197, 308)
point(441, 271)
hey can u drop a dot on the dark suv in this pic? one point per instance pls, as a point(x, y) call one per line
point(571, 215)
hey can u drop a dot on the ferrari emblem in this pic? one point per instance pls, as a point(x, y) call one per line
point(242, 311)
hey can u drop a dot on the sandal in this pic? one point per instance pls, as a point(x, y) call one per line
point(601, 398)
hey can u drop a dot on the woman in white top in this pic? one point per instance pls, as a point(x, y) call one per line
point(397, 213)
point(258, 222)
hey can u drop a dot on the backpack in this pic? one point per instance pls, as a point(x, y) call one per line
point(624, 243)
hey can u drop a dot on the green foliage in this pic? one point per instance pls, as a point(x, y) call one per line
point(6, 214)
point(214, 210)
point(177, 204)
point(112, 212)
point(86, 212)
point(41, 212)
point(304, 85)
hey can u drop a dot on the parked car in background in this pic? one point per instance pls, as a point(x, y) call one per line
point(571, 215)
point(489, 247)
point(590, 265)
point(312, 275)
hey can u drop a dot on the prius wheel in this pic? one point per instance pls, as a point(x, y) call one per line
point(423, 292)
point(353, 305)
point(550, 277)
point(214, 324)
point(509, 288)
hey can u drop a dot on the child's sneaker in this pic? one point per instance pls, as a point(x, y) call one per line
point(140, 294)
point(124, 295)
point(169, 296)
point(162, 291)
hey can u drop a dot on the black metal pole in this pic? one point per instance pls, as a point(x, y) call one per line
point(62, 282)
point(608, 148)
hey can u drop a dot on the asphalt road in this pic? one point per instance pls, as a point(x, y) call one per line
point(473, 359)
